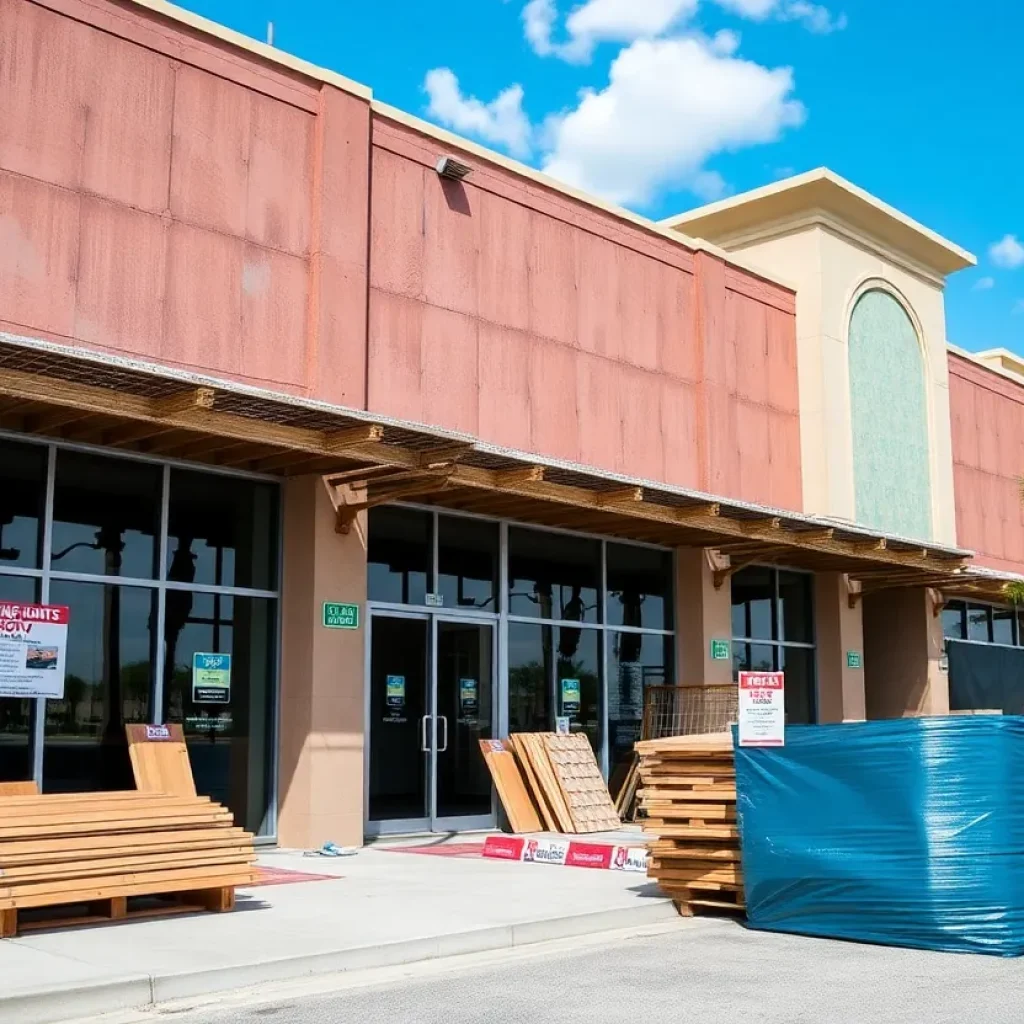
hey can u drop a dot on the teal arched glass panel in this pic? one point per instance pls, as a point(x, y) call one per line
point(890, 419)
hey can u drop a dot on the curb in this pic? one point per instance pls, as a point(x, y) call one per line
point(136, 992)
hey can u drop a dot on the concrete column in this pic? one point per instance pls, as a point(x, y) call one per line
point(838, 630)
point(322, 674)
point(703, 614)
point(903, 672)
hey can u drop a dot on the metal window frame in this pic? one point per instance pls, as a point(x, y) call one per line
point(46, 575)
point(778, 642)
point(964, 606)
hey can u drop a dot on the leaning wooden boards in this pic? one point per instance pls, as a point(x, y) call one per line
point(689, 796)
point(514, 796)
point(566, 781)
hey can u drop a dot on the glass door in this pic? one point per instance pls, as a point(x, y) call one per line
point(464, 703)
point(432, 699)
point(400, 733)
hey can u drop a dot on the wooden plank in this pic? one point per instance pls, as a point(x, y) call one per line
point(537, 753)
point(18, 789)
point(533, 783)
point(28, 873)
point(160, 765)
point(519, 808)
point(97, 845)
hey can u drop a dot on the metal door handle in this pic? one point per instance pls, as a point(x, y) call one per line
point(424, 742)
point(442, 718)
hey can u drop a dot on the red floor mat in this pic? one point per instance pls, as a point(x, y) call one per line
point(441, 849)
point(280, 876)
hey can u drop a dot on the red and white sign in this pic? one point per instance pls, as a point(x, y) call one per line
point(567, 853)
point(33, 643)
point(762, 709)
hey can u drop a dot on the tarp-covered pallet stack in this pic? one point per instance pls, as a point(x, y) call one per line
point(689, 796)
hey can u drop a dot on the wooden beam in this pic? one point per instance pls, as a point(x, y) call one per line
point(54, 419)
point(619, 496)
point(131, 433)
point(363, 473)
point(338, 442)
point(813, 536)
point(184, 402)
point(767, 524)
point(690, 512)
point(346, 513)
point(525, 475)
point(435, 458)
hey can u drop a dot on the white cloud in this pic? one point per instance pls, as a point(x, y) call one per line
point(502, 121)
point(814, 16)
point(983, 284)
point(1007, 253)
point(668, 107)
point(598, 21)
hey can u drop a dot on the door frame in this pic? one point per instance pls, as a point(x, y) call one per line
point(430, 822)
point(463, 823)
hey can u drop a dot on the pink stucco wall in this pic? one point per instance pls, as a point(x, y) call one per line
point(987, 414)
point(168, 196)
point(163, 196)
point(512, 312)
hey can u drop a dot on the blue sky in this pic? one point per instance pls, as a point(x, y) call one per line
point(919, 103)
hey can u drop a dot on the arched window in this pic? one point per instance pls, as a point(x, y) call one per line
point(890, 418)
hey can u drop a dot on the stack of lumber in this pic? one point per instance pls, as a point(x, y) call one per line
point(92, 852)
point(561, 777)
point(689, 797)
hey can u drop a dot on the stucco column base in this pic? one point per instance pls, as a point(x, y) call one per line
point(703, 614)
point(903, 671)
point(322, 674)
point(838, 630)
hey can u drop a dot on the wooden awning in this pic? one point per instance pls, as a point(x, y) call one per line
point(366, 460)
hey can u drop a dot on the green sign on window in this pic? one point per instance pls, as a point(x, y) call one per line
point(341, 616)
point(720, 650)
point(853, 659)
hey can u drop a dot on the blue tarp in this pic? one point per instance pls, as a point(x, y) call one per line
point(907, 832)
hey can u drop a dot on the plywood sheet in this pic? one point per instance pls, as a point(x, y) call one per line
point(519, 808)
point(160, 762)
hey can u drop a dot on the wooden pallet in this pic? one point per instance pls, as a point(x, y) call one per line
point(689, 797)
point(18, 921)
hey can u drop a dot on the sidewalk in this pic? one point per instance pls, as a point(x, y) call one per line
point(382, 907)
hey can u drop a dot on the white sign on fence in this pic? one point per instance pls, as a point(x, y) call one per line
point(762, 709)
point(33, 644)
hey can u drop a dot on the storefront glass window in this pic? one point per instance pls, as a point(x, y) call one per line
point(16, 715)
point(530, 677)
point(578, 681)
point(982, 623)
point(227, 742)
point(553, 576)
point(222, 531)
point(467, 563)
point(106, 516)
point(639, 587)
point(636, 662)
point(753, 604)
point(105, 565)
point(22, 500)
point(773, 631)
point(977, 623)
point(400, 555)
point(106, 686)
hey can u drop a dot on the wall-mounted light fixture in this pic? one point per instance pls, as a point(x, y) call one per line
point(452, 169)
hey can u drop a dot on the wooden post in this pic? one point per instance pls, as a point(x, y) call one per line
point(8, 923)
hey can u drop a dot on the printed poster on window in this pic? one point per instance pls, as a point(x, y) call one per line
point(570, 696)
point(33, 642)
point(211, 678)
point(762, 709)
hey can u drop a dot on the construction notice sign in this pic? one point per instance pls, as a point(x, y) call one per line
point(762, 708)
point(33, 642)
